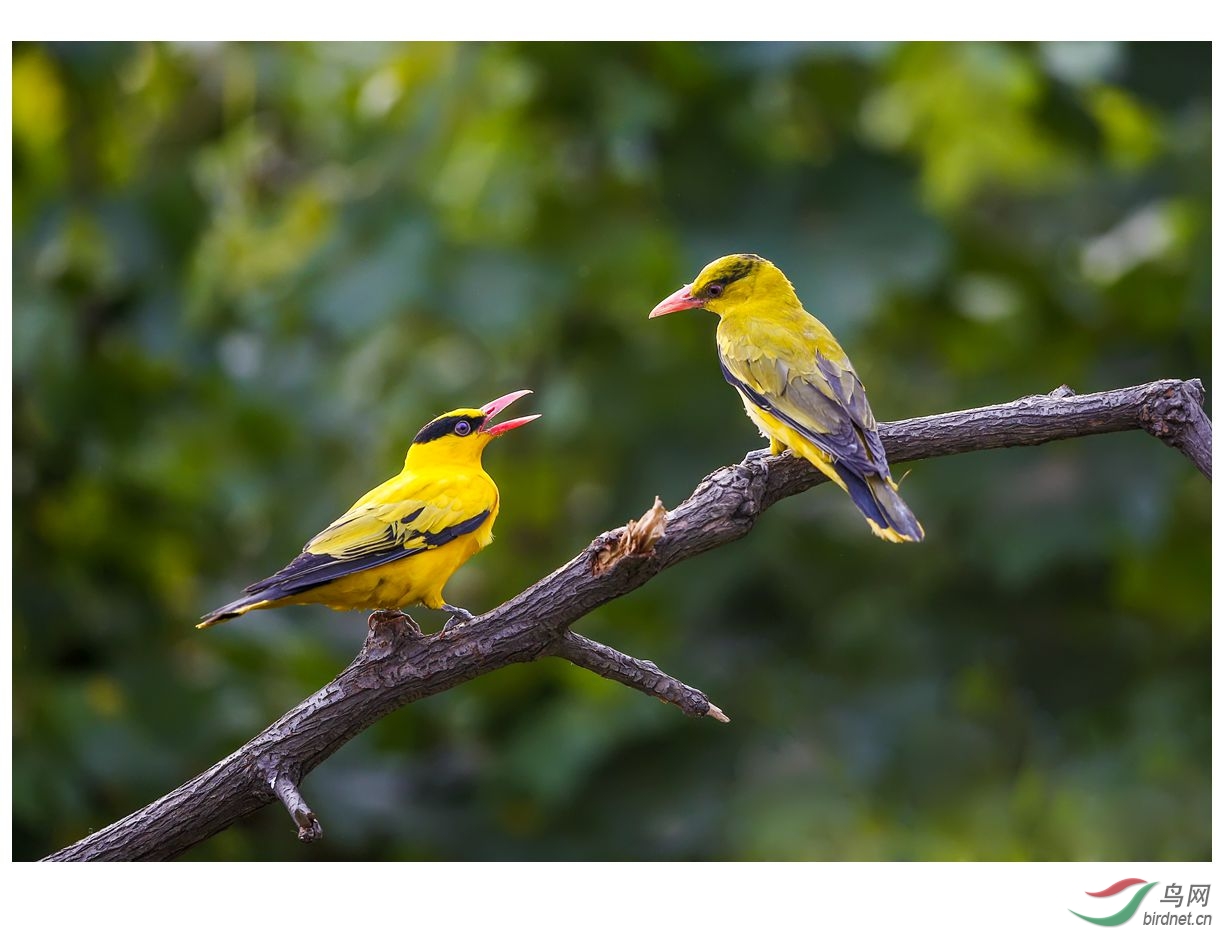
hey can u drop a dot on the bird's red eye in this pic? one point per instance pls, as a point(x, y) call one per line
point(714, 289)
point(462, 428)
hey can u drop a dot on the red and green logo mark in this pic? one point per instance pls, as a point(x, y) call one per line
point(1119, 917)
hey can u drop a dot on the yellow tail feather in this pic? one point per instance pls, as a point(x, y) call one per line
point(231, 611)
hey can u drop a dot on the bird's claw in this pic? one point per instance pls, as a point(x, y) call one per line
point(459, 617)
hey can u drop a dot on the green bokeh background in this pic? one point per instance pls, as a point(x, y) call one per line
point(245, 275)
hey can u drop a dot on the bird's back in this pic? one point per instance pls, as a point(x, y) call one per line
point(800, 389)
point(416, 502)
point(783, 333)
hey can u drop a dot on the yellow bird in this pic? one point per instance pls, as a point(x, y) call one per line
point(401, 541)
point(797, 383)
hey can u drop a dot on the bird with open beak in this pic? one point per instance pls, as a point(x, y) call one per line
point(400, 542)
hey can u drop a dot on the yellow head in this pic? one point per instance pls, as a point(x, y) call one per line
point(460, 436)
point(727, 283)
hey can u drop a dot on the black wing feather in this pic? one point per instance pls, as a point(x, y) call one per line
point(853, 446)
point(312, 570)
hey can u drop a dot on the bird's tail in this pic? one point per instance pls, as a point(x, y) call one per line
point(233, 610)
point(889, 517)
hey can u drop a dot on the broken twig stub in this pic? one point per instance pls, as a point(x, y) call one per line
point(637, 540)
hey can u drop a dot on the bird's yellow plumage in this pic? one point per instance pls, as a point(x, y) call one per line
point(797, 383)
point(401, 541)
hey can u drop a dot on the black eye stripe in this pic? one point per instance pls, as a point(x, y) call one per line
point(445, 426)
point(732, 272)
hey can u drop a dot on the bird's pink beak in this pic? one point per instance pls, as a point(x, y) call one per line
point(493, 407)
point(676, 301)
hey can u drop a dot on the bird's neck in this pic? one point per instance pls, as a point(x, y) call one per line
point(772, 304)
point(427, 458)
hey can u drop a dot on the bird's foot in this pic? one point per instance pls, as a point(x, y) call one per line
point(458, 618)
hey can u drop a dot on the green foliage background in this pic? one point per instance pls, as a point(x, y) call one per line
point(245, 275)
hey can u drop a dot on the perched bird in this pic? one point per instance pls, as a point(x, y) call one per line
point(797, 383)
point(401, 541)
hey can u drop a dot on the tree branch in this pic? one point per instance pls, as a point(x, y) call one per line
point(644, 676)
point(398, 664)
